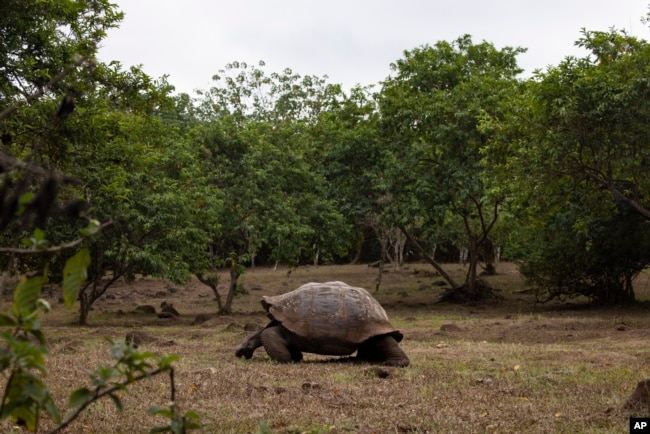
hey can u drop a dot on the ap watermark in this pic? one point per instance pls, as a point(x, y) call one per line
point(639, 425)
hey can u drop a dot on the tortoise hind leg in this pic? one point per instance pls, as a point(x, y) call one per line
point(382, 349)
point(277, 347)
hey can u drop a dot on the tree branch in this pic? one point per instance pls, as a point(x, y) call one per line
point(495, 216)
point(428, 258)
point(54, 249)
point(41, 91)
point(645, 212)
point(98, 395)
point(10, 162)
point(103, 288)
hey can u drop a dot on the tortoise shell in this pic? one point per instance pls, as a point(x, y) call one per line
point(330, 313)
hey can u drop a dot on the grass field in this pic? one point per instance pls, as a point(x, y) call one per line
point(501, 367)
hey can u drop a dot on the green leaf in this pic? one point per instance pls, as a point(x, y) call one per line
point(79, 397)
point(166, 361)
point(162, 411)
point(74, 274)
point(39, 235)
point(21, 405)
point(23, 201)
point(116, 401)
point(39, 335)
point(6, 321)
point(177, 426)
point(51, 409)
point(191, 415)
point(105, 373)
point(91, 229)
point(27, 294)
point(27, 415)
point(35, 390)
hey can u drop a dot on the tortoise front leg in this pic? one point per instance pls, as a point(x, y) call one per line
point(277, 346)
point(383, 349)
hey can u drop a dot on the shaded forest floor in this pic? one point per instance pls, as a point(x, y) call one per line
point(507, 365)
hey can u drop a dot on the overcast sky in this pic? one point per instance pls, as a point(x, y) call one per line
point(350, 41)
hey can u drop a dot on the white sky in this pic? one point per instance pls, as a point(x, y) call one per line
point(351, 41)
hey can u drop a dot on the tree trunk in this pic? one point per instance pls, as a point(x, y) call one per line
point(7, 285)
point(382, 260)
point(383, 235)
point(357, 255)
point(87, 299)
point(475, 289)
point(462, 255)
point(212, 282)
point(380, 275)
point(398, 240)
point(84, 308)
point(490, 256)
point(234, 277)
point(629, 289)
point(470, 279)
point(316, 255)
point(429, 259)
point(616, 291)
point(87, 296)
point(383, 244)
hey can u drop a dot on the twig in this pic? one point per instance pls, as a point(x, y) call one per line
point(6, 392)
point(173, 386)
point(54, 249)
point(11, 162)
point(98, 395)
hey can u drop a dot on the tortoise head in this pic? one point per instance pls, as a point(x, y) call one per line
point(244, 351)
point(248, 346)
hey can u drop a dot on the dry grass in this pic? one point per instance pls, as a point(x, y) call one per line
point(504, 367)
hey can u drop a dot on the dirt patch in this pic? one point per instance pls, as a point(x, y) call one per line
point(410, 295)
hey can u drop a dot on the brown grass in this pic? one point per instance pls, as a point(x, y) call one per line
point(505, 367)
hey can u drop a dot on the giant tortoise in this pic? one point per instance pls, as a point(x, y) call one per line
point(331, 318)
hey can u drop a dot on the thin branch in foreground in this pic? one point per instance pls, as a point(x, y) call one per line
point(10, 162)
point(98, 395)
point(53, 249)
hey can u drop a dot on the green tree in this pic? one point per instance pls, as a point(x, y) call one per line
point(46, 51)
point(431, 112)
point(255, 138)
point(598, 107)
point(22, 354)
point(351, 157)
point(578, 141)
point(121, 143)
point(567, 256)
point(40, 39)
point(135, 168)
